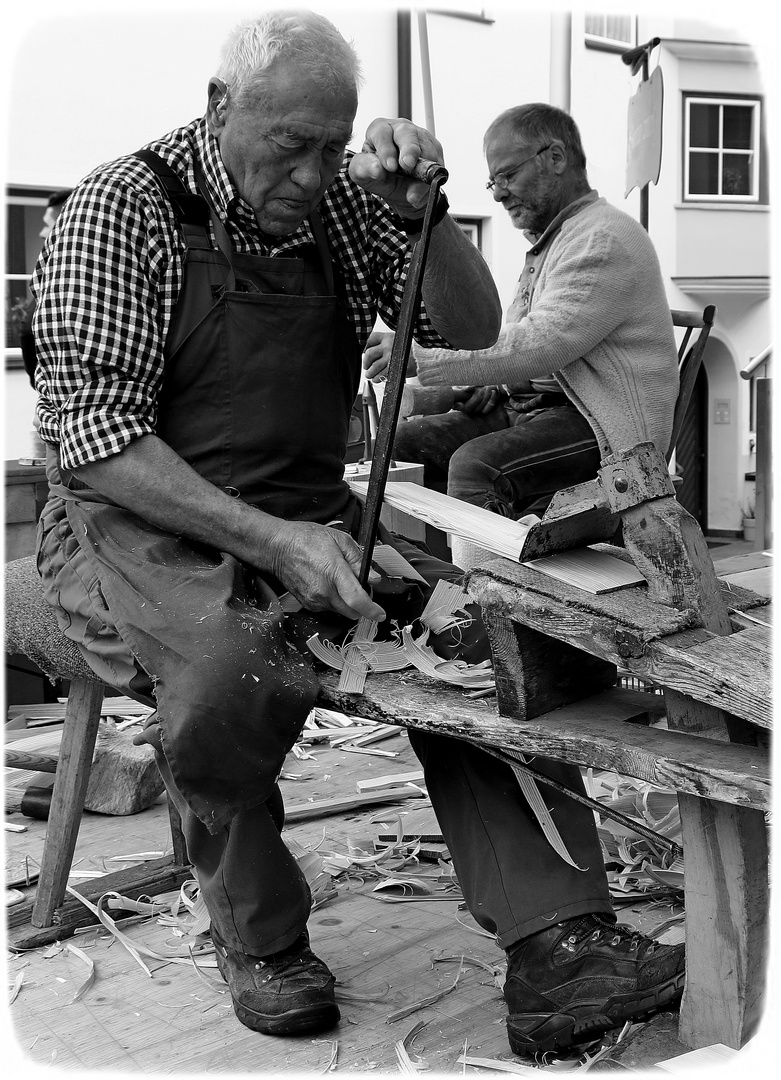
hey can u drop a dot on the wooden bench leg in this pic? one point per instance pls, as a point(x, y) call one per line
point(727, 903)
point(80, 731)
point(536, 673)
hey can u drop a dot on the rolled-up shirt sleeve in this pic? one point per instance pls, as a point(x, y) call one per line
point(104, 287)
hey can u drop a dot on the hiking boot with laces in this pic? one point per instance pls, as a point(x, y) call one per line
point(572, 983)
point(287, 993)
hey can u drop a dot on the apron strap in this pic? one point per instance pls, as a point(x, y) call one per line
point(192, 211)
point(323, 251)
point(220, 232)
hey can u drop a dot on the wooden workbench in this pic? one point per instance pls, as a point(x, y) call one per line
point(704, 643)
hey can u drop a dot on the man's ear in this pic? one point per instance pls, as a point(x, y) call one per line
point(216, 105)
point(557, 155)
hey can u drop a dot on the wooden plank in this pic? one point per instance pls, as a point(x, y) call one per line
point(342, 804)
point(376, 783)
point(589, 569)
point(393, 518)
point(736, 564)
point(151, 878)
point(593, 732)
point(717, 671)
point(472, 523)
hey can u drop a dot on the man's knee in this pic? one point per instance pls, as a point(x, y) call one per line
point(412, 438)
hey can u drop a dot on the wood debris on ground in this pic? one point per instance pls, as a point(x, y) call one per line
point(637, 867)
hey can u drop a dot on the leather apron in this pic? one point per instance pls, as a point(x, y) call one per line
point(261, 373)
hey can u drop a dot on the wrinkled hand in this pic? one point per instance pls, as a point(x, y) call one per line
point(475, 399)
point(377, 354)
point(390, 151)
point(320, 567)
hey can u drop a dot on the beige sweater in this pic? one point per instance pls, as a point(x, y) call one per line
point(599, 321)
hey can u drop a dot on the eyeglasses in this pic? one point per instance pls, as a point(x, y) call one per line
point(504, 179)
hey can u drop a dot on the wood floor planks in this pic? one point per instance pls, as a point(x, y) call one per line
point(382, 955)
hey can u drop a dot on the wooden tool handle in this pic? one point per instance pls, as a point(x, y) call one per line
point(429, 171)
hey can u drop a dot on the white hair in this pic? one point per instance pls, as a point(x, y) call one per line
point(303, 36)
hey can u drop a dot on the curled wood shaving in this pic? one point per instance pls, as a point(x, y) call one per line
point(360, 653)
point(432, 999)
point(356, 665)
point(402, 1047)
point(332, 1061)
point(406, 1064)
point(492, 969)
point(454, 672)
point(358, 997)
point(16, 987)
point(90, 979)
point(136, 949)
point(213, 984)
point(528, 786)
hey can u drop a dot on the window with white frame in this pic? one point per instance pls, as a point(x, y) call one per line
point(611, 31)
point(25, 208)
point(721, 149)
point(472, 228)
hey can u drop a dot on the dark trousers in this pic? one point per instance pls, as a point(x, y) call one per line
point(501, 460)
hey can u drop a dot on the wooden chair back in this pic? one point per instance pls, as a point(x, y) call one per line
point(689, 362)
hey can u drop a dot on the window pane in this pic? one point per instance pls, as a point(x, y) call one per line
point(736, 175)
point(737, 127)
point(15, 256)
point(610, 27)
point(17, 297)
point(618, 28)
point(704, 125)
point(595, 24)
point(703, 174)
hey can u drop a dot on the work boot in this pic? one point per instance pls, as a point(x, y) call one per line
point(572, 983)
point(286, 993)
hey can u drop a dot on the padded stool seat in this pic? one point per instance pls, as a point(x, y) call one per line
point(31, 626)
point(31, 629)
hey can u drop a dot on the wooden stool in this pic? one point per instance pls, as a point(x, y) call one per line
point(31, 629)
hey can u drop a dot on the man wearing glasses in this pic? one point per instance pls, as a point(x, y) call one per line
point(586, 362)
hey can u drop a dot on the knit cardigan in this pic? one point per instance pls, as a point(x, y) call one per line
point(599, 321)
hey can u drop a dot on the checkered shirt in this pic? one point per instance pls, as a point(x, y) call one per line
point(110, 274)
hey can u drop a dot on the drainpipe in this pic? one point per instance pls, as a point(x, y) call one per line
point(425, 65)
point(561, 60)
point(404, 63)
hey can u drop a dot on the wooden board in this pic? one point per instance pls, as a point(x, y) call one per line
point(392, 517)
point(593, 732)
point(633, 632)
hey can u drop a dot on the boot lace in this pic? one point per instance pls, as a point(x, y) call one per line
point(595, 928)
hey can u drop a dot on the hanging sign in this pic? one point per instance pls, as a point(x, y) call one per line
point(644, 133)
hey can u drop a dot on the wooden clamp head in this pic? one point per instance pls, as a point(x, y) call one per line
point(664, 540)
point(635, 476)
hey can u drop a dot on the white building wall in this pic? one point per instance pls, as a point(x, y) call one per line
point(85, 87)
